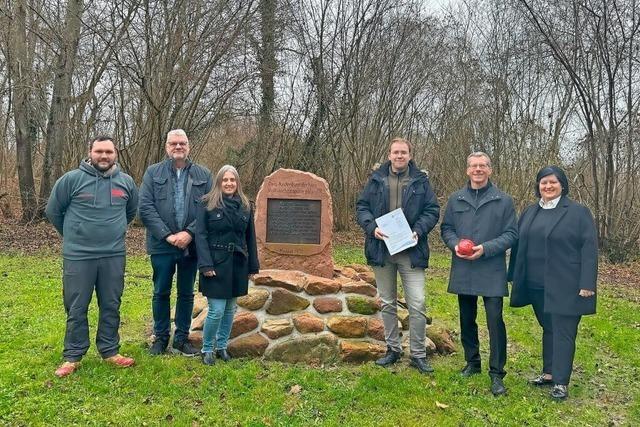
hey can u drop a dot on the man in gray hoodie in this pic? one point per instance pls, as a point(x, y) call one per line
point(91, 207)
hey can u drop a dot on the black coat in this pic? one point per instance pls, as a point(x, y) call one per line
point(489, 221)
point(226, 243)
point(571, 260)
point(419, 205)
point(157, 210)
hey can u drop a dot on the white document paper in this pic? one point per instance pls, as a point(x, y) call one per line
point(399, 234)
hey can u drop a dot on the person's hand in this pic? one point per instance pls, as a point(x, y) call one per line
point(585, 293)
point(171, 239)
point(378, 234)
point(478, 251)
point(210, 273)
point(182, 239)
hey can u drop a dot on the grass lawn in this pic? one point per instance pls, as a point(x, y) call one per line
point(605, 387)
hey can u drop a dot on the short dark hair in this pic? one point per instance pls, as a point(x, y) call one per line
point(101, 138)
point(552, 170)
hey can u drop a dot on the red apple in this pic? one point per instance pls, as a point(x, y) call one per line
point(465, 247)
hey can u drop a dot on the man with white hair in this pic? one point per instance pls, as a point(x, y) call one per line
point(168, 197)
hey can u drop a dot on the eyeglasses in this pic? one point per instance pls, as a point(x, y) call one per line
point(175, 144)
point(482, 166)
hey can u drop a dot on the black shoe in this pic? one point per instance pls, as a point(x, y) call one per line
point(223, 355)
point(559, 392)
point(421, 364)
point(497, 386)
point(541, 381)
point(158, 347)
point(389, 358)
point(185, 348)
point(470, 369)
point(208, 358)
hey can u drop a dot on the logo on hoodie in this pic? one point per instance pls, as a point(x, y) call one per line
point(117, 192)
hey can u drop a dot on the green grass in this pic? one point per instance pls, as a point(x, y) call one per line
point(169, 389)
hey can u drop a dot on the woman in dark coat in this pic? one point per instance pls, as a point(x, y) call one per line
point(227, 255)
point(554, 268)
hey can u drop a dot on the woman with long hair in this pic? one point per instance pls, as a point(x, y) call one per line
point(227, 255)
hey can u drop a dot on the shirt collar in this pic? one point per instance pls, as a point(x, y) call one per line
point(551, 204)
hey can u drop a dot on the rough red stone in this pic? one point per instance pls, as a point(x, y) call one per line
point(308, 323)
point(199, 303)
point(283, 301)
point(348, 326)
point(360, 351)
point(254, 300)
point(320, 286)
point(327, 305)
point(361, 287)
point(314, 349)
point(276, 328)
point(287, 279)
point(243, 322)
point(289, 184)
point(198, 322)
point(375, 328)
point(359, 268)
point(349, 272)
point(252, 345)
point(368, 277)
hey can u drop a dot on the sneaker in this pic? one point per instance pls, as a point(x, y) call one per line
point(541, 380)
point(185, 348)
point(158, 347)
point(421, 364)
point(560, 392)
point(389, 358)
point(120, 361)
point(208, 358)
point(66, 369)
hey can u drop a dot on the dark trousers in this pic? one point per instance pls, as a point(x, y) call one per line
point(164, 267)
point(558, 339)
point(80, 278)
point(468, 305)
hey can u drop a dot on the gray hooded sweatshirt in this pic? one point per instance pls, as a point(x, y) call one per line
point(91, 210)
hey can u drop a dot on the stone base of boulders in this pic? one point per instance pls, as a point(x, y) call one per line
point(294, 317)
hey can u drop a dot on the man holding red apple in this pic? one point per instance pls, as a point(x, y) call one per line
point(479, 226)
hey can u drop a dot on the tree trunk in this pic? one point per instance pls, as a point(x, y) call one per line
point(58, 123)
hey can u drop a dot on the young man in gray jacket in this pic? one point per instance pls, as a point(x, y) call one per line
point(169, 194)
point(480, 212)
point(91, 207)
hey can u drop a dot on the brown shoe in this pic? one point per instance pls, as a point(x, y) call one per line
point(66, 369)
point(120, 361)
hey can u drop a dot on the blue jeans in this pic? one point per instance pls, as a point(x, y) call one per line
point(164, 267)
point(218, 323)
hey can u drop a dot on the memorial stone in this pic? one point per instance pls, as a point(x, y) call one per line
point(294, 223)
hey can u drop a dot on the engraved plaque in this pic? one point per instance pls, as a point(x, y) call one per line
point(293, 221)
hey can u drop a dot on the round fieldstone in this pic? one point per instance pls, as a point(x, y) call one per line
point(252, 345)
point(308, 323)
point(254, 300)
point(314, 349)
point(199, 303)
point(441, 337)
point(362, 305)
point(348, 326)
point(320, 286)
point(327, 305)
point(403, 317)
point(243, 322)
point(360, 351)
point(283, 301)
point(375, 329)
point(361, 287)
point(287, 279)
point(276, 328)
point(198, 322)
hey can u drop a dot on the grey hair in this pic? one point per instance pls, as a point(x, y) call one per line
point(479, 154)
point(215, 199)
point(177, 132)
